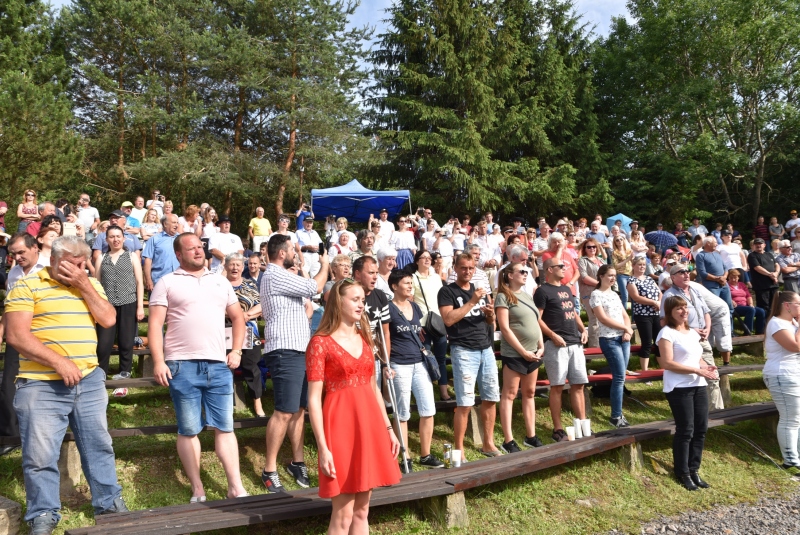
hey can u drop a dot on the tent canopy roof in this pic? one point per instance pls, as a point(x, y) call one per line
point(356, 203)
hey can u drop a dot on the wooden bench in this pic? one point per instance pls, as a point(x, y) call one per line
point(439, 492)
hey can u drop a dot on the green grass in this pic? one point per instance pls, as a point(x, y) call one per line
point(545, 502)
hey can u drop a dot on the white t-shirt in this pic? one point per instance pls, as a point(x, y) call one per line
point(224, 243)
point(780, 361)
point(445, 247)
point(730, 256)
point(459, 240)
point(87, 217)
point(791, 225)
point(429, 238)
point(612, 306)
point(686, 350)
point(158, 206)
point(139, 213)
point(387, 228)
point(209, 230)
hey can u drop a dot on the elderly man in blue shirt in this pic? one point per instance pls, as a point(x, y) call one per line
point(711, 272)
point(159, 255)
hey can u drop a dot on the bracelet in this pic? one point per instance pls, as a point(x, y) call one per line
point(389, 428)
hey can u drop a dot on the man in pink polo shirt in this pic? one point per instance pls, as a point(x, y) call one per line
point(194, 302)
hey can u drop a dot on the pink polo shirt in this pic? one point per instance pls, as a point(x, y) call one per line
point(195, 314)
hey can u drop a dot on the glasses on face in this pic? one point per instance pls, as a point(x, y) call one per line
point(682, 272)
point(558, 266)
point(592, 247)
point(795, 303)
point(402, 221)
point(571, 234)
point(29, 194)
point(425, 258)
point(519, 272)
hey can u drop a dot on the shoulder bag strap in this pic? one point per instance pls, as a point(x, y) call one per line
point(422, 291)
point(527, 305)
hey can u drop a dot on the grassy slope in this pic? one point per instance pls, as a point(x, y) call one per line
point(544, 502)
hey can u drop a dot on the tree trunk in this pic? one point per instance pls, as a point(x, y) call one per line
point(287, 169)
point(237, 134)
point(227, 208)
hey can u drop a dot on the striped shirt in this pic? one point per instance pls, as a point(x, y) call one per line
point(282, 305)
point(61, 321)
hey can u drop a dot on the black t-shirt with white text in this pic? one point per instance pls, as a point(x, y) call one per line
point(404, 334)
point(557, 307)
point(471, 332)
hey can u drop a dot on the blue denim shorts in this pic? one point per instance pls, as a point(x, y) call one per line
point(202, 392)
point(471, 367)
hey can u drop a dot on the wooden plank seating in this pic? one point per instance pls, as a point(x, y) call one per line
point(421, 487)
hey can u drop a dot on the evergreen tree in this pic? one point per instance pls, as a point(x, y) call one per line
point(37, 148)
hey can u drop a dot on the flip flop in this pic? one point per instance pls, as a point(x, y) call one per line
point(120, 392)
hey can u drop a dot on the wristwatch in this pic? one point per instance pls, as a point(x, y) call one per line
point(237, 351)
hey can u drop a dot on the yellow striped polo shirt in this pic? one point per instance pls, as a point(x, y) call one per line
point(61, 321)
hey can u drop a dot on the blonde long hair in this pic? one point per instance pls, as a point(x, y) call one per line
point(332, 317)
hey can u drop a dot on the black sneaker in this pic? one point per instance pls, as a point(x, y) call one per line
point(533, 442)
point(43, 524)
point(300, 473)
point(510, 447)
point(559, 435)
point(117, 507)
point(272, 481)
point(619, 422)
point(431, 461)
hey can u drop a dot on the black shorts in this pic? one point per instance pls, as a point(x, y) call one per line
point(289, 386)
point(520, 365)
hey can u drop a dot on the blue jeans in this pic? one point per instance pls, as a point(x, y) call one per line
point(438, 346)
point(749, 314)
point(44, 409)
point(622, 282)
point(617, 354)
point(785, 391)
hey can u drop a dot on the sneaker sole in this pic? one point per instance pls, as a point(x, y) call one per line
point(507, 451)
point(300, 483)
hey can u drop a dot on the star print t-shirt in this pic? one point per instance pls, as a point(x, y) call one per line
point(471, 332)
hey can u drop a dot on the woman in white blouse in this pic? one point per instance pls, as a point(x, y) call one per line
point(402, 241)
point(782, 372)
point(685, 374)
point(614, 331)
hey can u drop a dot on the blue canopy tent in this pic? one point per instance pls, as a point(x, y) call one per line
point(356, 203)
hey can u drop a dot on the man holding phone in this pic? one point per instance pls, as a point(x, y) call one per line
point(466, 311)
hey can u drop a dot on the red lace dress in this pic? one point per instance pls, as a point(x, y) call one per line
point(353, 423)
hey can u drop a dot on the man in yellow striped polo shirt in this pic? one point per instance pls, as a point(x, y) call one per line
point(50, 318)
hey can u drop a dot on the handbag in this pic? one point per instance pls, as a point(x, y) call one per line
point(431, 365)
point(434, 324)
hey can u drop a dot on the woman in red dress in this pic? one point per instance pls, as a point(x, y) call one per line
point(357, 447)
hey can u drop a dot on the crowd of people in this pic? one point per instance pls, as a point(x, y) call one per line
point(348, 316)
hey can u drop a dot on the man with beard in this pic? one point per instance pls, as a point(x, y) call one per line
point(287, 334)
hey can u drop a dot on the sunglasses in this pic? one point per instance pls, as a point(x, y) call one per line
point(558, 266)
point(681, 272)
point(591, 247)
point(522, 271)
point(402, 221)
